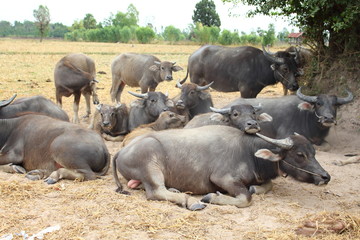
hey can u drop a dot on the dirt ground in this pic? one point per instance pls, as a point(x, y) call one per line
point(92, 210)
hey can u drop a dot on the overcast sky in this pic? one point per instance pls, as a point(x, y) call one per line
point(160, 13)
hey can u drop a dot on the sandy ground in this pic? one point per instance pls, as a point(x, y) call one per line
point(92, 210)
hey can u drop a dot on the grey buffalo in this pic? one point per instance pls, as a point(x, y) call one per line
point(214, 160)
point(111, 121)
point(139, 70)
point(245, 69)
point(194, 99)
point(310, 116)
point(147, 108)
point(35, 104)
point(53, 149)
point(75, 75)
point(241, 116)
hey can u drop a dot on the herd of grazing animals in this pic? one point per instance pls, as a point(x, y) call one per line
point(169, 145)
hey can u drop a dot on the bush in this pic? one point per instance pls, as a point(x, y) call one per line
point(144, 34)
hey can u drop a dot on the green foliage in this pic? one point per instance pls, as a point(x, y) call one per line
point(172, 34)
point(268, 37)
point(205, 34)
point(144, 34)
point(42, 20)
point(226, 37)
point(282, 36)
point(89, 21)
point(130, 18)
point(5, 28)
point(205, 13)
point(58, 30)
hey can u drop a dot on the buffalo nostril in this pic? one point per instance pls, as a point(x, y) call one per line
point(165, 109)
point(169, 78)
point(106, 123)
point(326, 178)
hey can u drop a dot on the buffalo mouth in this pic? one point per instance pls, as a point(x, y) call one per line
point(180, 105)
point(252, 130)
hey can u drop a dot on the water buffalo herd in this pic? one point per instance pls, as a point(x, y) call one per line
point(174, 146)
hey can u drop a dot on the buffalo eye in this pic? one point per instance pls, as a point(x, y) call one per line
point(162, 68)
point(300, 154)
point(235, 114)
point(192, 92)
point(153, 100)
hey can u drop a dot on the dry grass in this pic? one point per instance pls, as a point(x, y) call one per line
point(92, 210)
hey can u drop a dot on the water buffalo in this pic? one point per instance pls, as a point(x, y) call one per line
point(194, 98)
point(52, 149)
point(166, 120)
point(111, 121)
point(310, 116)
point(212, 159)
point(35, 104)
point(139, 70)
point(147, 108)
point(75, 75)
point(245, 69)
point(241, 116)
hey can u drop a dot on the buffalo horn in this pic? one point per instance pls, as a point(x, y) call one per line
point(258, 107)
point(200, 88)
point(347, 99)
point(143, 95)
point(7, 102)
point(310, 99)
point(173, 63)
point(221, 110)
point(272, 58)
point(179, 84)
point(285, 143)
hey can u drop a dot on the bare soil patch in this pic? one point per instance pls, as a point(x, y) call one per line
point(92, 209)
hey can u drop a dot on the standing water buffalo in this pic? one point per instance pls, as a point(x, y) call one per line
point(139, 70)
point(35, 104)
point(213, 159)
point(194, 98)
point(51, 148)
point(148, 108)
point(310, 116)
point(111, 122)
point(75, 75)
point(245, 69)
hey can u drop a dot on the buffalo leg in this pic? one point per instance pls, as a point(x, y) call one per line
point(71, 174)
point(156, 190)
point(260, 189)
point(10, 159)
point(88, 107)
point(238, 194)
point(12, 168)
point(76, 107)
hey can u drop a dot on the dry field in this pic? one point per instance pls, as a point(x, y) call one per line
point(92, 210)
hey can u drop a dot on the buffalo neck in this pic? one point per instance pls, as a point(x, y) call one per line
point(6, 127)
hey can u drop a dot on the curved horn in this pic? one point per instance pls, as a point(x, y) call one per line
point(200, 88)
point(310, 99)
point(143, 95)
point(285, 143)
point(347, 99)
point(179, 84)
point(258, 107)
point(4, 103)
point(221, 110)
point(173, 63)
point(272, 58)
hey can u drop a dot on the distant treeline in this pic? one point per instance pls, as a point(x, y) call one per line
point(131, 34)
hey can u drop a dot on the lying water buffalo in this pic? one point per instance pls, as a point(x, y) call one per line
point(166, 120)
point(139, 70)
point(213, 159)
point(147, 108)
point(75, 75)
point(194, 98)
point(111, 121)
point(35, 104)
point(241, 116)
point(52, 149)
point(310, 116)
point(245, 69)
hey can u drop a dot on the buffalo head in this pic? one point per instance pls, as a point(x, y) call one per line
point(165, 69)
point(191, 94)
point(244, 117)
point(324, 106)
point(296, 157)
point(109, 115)
point(284, 67)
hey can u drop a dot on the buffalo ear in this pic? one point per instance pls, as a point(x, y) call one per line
point(176, 68)
point(98, 107)
point(264, 117)
point(204, 95)
point(154, 68)
point(217, 117)
point(268, 155)
point(306, 106)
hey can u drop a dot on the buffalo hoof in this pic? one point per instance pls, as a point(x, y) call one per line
point(119, 190)
point(252, 190)
point(34, 175)
point(197, 206)
point(96, 102)
point(207, 198)
point(174, 190)
point(50, 181)
point(18, 169)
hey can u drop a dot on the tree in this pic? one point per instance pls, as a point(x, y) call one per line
point(171, 34)
point(205, 13)
point(337, 19)
point(42, 20)
point(89, 21)
point(268, 37)
point(144, 34)
point(130, 18)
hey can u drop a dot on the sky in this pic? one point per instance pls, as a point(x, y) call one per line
point(160, 13)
